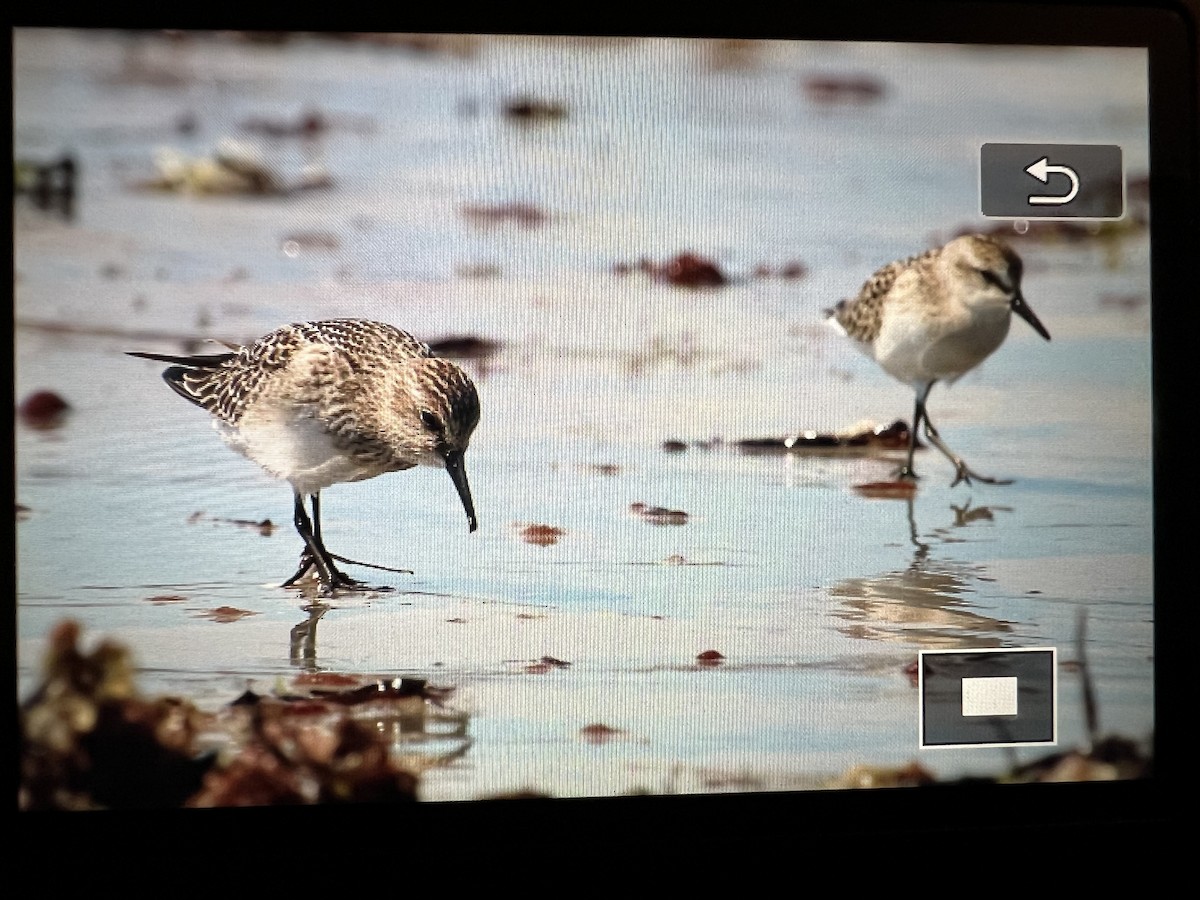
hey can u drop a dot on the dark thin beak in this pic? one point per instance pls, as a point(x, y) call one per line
point(458, 474)
point(1022, 309)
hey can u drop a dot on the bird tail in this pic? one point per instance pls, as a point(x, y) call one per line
point(831, 316)
point(190, 376)
point(192, 362)
point(831, 311)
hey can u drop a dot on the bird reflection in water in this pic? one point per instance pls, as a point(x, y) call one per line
point(302, 648)
point(927, 602)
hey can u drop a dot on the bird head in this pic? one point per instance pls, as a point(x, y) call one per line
point(437, 411)
point(996, 270)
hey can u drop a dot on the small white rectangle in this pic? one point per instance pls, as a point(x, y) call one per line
point(989, 696)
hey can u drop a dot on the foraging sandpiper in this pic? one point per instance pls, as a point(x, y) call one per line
point(934, 317)
point(319, 403)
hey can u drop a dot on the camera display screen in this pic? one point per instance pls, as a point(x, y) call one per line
point(626, 415)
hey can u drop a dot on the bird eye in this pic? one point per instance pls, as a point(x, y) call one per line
point(994, 280)
point(431, 421)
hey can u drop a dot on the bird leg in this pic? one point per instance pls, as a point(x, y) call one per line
point(315, 554)
point(340, 578)
point(306, 563)
point(962, 471)
point(906, 472)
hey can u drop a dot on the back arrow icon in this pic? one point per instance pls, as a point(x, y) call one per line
point(1041, 170)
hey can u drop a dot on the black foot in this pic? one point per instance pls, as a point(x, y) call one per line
point(904, 473)
point(344, 584)
point(306, 564)
point(338, 580)
point(965, 474)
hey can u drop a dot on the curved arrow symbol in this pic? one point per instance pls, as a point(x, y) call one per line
point(1041, 170)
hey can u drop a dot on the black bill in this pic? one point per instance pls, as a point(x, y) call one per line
point(1021, 308)
point(458, 474)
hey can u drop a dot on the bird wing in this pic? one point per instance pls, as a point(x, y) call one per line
point(862, 317)
point(221, 383)
point(362, 338)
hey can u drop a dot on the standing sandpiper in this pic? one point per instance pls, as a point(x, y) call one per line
point(319, 403)
point(934, 317)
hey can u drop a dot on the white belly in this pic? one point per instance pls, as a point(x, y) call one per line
point(918, 354)
point(295, 448)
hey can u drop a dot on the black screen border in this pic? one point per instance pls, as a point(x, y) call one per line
point(749, 829)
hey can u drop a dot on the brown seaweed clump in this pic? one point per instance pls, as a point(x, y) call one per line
point(88, 741)
point(866, 437)
point(691, 270)
point(304, 751)
point(901, 488)
point(658, 515)
point(828, 90)
point(1113, 758)
point(599, 733)
point(867, 776)
point(538, 534)
point(533, 109)
point(43, 410)
point(526, 215)
point(686, 270)
point(710, 658)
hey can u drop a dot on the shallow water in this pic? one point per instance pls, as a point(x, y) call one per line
point(817, 597)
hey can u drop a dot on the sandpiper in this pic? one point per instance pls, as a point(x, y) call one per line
point(934, 317)
point(319, 403)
